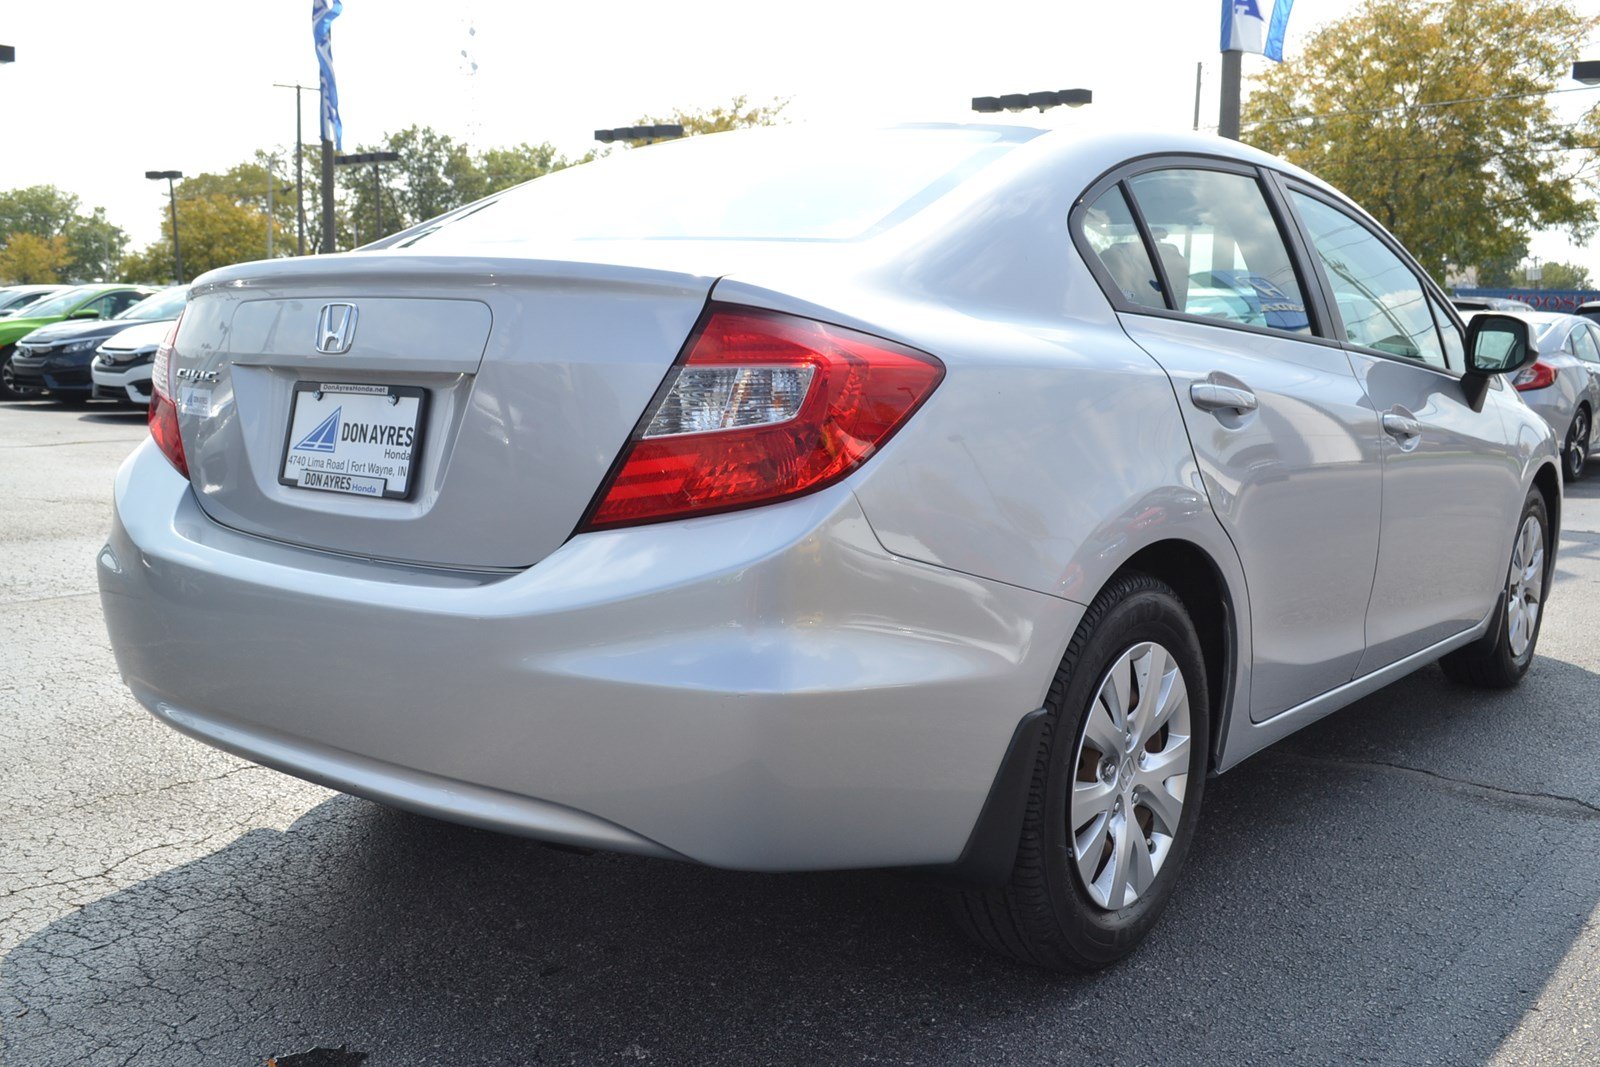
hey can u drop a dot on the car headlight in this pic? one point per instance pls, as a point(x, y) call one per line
point(80, 346)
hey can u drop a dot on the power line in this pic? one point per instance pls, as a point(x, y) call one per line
point(1417, 107)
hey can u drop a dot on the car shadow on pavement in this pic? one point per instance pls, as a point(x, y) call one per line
point(1392, 885)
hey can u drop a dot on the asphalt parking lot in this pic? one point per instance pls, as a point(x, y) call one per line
point(1414, 880)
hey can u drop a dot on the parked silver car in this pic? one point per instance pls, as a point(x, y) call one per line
point(951, 497)
point(1563, 382)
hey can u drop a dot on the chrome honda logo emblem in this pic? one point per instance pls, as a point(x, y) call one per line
point(336, 328)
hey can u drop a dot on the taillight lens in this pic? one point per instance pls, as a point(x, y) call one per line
point(1535, 375)
point(762, 407)
point(163, 403)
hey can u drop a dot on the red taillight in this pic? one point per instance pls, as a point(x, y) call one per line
point(763, 407)
point(163, 406)
point(1535, 375)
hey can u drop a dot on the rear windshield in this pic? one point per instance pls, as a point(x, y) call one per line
point(775, 185)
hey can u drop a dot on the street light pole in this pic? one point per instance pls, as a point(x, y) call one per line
point(375, 158)
point(172, 198)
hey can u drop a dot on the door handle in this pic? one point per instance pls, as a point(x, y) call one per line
point(1401, 427)
point(1211, 396)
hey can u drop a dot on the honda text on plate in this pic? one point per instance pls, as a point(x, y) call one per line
point(945, 497)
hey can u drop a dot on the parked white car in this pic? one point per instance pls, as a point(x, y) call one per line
point(121, 367)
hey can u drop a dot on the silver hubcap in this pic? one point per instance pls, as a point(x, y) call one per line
point(1132, 771)
point(1525, 586)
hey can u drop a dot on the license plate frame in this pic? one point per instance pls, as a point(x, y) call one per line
point(323, 459)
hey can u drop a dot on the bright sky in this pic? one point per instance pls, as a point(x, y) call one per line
point(104, 90)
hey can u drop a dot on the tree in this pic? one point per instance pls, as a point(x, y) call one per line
point(1553, 276)
point(1429, 114)
point(737, 115)
point(42, 210)
point(215, 230)
point(93, 244)
point(28, 259)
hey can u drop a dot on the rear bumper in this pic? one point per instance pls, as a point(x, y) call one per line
point(766, 690)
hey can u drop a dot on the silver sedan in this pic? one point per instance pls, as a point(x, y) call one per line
point(946, 497)
point(1562, 384)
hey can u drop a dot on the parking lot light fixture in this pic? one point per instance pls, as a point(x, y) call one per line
point(377, 159)
point(1023, 101)
point(647, 134)
point(172, 197)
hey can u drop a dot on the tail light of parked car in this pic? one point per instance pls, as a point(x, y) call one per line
point(163, 403)
point(762, 407)
point(1535, 375)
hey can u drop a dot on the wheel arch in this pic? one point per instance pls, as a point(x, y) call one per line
point(1547, 479)
point(1199, 582)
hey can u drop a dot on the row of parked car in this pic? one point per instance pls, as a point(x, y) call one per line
point(75, 343)
point(82, 342)
point(1563, 383)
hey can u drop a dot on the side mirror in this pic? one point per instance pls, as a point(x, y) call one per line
point(84, 313)
point(1498, 344)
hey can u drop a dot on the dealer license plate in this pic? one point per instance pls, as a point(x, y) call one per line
point(351, 438)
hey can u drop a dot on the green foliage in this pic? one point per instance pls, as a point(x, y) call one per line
point(1553, 276)
point(738, 114)
point(92, 245)
point(28, 259)
point(1370, 105)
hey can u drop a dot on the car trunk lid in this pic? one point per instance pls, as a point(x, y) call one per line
point(529, 377)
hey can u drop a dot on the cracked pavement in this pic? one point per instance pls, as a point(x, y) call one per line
point(1413, 880)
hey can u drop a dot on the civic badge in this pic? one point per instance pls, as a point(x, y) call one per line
point(336, 328)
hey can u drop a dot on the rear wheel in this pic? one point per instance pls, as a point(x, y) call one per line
point(1500, 658)
point(1575, 454)
point(9, 389)
point(1115, 792)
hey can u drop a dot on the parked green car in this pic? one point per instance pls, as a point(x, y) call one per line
point(79, 302)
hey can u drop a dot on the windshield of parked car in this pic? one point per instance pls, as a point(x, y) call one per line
point(776, 184)
point(163, 305)
point(59, 304)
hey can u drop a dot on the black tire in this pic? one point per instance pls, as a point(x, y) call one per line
point(1044, 915)
point(9, 390)
point(1575, 450)
point(1489, 662)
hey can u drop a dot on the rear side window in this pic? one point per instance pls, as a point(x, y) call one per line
point(1584, 344)
point(1384, 305)
point(1221, 248)
point(1109, 228)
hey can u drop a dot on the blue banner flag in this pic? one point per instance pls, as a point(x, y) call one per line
point(1243, 28)
point(1279, 27)
point(323, 12)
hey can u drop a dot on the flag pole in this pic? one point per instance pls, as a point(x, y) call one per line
point(1228, 119)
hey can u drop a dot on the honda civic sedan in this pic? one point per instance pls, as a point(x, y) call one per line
point(956, 498)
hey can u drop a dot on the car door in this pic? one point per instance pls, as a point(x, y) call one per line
point(1586, 344)
point(1446, 473)
point(1284, 437)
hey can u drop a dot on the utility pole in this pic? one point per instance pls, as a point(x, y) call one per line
point(1198, 68)
point(299, 169)
point(272, 181)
